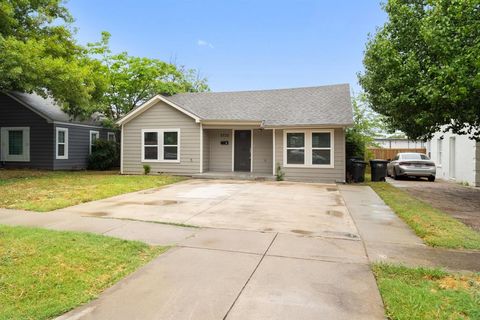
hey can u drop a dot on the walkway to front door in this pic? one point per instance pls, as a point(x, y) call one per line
point(242, 150)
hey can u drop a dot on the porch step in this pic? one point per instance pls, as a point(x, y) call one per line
point(234, 176)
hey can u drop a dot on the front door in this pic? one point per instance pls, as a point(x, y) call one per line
point(243, 144)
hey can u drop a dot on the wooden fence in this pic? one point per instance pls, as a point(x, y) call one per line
point(382, 153)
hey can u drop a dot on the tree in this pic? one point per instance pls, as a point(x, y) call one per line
point(134, 80)
point(39, 54)
point(366, 125)
point(422, 68)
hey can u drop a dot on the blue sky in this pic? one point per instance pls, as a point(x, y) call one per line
point(240, 45)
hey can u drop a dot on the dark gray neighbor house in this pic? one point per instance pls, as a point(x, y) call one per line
point(36, 133)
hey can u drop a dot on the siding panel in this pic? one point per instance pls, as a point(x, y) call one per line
point(315, 174)
point(262, 151)
point(78, 146)
point(220, 155)
point(162, 116)
point(14, 114)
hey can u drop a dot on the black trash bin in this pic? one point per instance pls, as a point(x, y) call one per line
point(358, 170)
point(379, 169)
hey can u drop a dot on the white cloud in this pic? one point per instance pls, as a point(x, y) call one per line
point(203, 43)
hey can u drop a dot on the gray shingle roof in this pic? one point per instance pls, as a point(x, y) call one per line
point(49, 109)
point(324, 105)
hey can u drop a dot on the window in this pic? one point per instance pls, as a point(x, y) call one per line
point(15, 144)
point(439, 151)
point(111, 136)
point(94, 136)
point(161, 145)
point(308, 148)
point(321, 148)
point(61, 143)
point(296, 148)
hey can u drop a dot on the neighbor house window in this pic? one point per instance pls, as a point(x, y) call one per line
point(111, 136)
point(439, 151)
point(308, 148)
point(15, 144)
point(161, 145)
point(94, 136)
point(61, 143)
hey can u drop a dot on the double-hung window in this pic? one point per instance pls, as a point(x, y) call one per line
point(15, 144)
point(94, 136)
point(111, 137)
point(321, 148)
point(61, 148)
point(296, 147)
point(308, 148)
point(161, 145)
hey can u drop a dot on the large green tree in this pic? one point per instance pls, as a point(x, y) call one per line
point(38, 53)
point(133, 80)
point(422, 67)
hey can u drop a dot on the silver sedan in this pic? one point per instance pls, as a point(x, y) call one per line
point(411, 165)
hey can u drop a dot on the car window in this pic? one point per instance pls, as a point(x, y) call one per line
point(414, 156)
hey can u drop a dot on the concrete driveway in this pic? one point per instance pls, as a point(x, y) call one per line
point(268, 251)
point(287, 207)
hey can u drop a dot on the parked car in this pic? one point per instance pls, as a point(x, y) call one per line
point(408, 164)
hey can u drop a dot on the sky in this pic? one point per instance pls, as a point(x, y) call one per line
point(240, 45)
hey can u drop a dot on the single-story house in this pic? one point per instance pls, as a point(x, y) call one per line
point(302, 130)
point(36, 133)
point(457, 157)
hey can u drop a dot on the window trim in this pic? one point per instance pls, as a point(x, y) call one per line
point(65, 143)
point(111, 134)
point(6, 156)
point(308, 149)
point(160, 145)
point(90, 137)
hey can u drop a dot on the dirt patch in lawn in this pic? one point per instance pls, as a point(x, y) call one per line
point(462, 203)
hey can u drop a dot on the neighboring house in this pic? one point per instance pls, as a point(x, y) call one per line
point(36, 133)
point(457, 157)
point(399, 143)
point(302, 130)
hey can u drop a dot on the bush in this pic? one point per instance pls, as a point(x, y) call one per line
point(146, 169)
point(105, 155)
point(279, 173)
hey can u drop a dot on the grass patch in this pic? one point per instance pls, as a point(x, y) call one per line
point(434, 226)
point(42, 191)
point(46, 273)
point(420, 293)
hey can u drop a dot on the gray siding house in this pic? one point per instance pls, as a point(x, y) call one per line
point(302, 130)
point(36, 133)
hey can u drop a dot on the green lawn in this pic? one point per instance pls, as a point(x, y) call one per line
point(41, 191)
point(434, 226)
point(46, 273)
point(427, 294)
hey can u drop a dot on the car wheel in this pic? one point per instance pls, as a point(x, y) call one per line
point(394, 174)
point(431, 178)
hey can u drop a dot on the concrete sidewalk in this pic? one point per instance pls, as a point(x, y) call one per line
point(227, 274)
point(388, 239)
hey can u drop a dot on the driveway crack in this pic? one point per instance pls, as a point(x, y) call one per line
point(250, 277)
